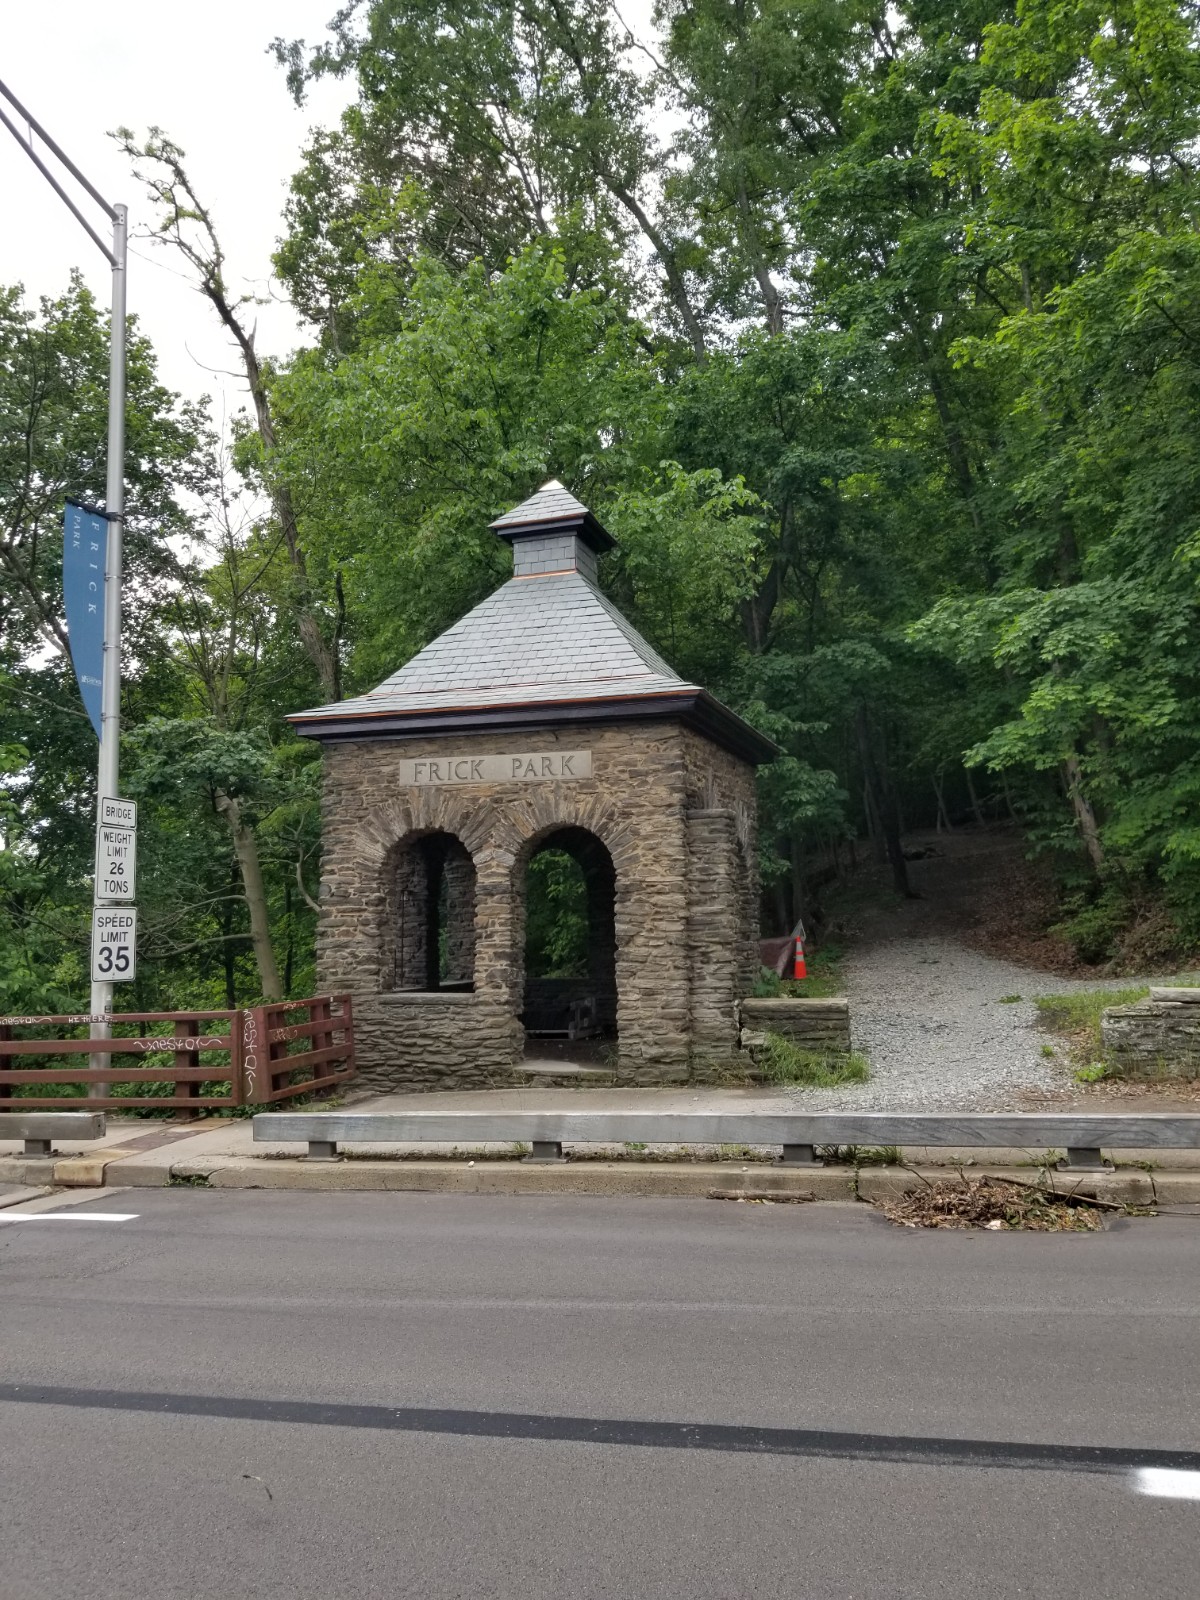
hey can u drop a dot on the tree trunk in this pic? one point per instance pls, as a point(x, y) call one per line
point(943, 816)
point(227, 953)
point(885, 807)
point(1012, 810)
point(799, 897)
point(975, 807)
point(318, 651)
point(1085, 817)
point(245, 847)
point(874, 825)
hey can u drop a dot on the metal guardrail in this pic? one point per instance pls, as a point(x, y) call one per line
point(39, 1129)
point(1083, 1137)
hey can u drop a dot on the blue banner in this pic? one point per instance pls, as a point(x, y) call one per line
point(85, 544)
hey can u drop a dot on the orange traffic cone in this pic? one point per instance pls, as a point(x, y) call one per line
point(800, 969)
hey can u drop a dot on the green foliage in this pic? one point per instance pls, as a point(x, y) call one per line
point(1094, 1072)
point(1076, 1016)
point(768, 985)
point(556, 917)
point(782, 1061)
point(1079, 1010)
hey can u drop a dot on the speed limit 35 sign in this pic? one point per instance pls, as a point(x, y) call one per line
point(114, 944)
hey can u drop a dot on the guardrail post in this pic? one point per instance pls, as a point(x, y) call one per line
point(1085, 1159)
point(545, 1150)
point(800, 1155)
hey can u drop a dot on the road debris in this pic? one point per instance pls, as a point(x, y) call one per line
point(993, 1203)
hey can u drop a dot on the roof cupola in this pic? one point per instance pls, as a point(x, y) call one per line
point(553, 532)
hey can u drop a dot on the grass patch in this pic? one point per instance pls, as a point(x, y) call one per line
point(860, 1155)
point(1011, 999)
point(1073, 1013)
point(1076, 1019)
point(781, 1061)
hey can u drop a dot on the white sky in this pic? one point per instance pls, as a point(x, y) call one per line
point(200, 72)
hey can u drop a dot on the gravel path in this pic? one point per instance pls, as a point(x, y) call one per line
point(929, 1010)
point(932, 1018)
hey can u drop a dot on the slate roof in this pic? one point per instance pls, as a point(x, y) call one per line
point(553, 507)
point(551, 503)
point(541, 650)
point(537, 639)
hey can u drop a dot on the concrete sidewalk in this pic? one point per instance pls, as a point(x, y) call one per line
point(220, 1152)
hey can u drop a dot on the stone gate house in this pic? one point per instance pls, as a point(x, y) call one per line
point(540, 721)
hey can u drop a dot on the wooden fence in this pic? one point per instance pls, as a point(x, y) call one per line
point(217, 1059)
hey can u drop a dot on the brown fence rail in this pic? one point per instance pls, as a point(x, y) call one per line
point(218, 1059)
point(284, 1054)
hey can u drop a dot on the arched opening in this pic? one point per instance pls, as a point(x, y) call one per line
point(570, 991)
point(429, 933)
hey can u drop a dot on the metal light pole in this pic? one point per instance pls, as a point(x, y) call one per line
point(108, 766)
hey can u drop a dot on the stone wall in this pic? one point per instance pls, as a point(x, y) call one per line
point(1158, 1037)
point(458, 906)
point(819, 1025)
point(675, 815)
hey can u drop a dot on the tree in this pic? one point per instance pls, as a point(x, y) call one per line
point(188, 225)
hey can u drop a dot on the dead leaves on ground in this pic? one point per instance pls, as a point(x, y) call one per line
point(992, 1203)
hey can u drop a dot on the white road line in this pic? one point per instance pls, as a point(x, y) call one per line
point(1168, 1484)
point(71, 1216)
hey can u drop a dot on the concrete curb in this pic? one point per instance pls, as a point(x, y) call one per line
point(644, 1179)
point(1122, 1186)
point(66, 1172)
point(697, 1180)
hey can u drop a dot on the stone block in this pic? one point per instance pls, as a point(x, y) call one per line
point(819, 1025)
point(1156, 1038)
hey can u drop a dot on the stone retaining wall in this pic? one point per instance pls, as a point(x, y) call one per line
point(1156, 1038)
point(818, 1025)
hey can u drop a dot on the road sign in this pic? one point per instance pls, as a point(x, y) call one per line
point(116, 863)
point(114, 944)
point(118, 813)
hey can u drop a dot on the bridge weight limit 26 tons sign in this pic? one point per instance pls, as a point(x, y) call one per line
point(114, 926)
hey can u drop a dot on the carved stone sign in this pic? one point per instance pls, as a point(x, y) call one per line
point(538, 766)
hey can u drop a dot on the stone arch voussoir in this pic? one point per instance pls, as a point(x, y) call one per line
point(537, 815)
point(431, 811)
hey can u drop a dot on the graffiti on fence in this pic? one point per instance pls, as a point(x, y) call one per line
point(38, 1022)
point(249, 1053)
point(216, 1041)
point(286, 1035)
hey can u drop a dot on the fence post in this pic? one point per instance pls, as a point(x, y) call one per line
point(254, 1056)
point(319, 1011)
point(237, 1073)
point(5, 1088)
point(185, 1029)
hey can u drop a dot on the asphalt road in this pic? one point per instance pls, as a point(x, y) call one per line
point(303, 1395)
